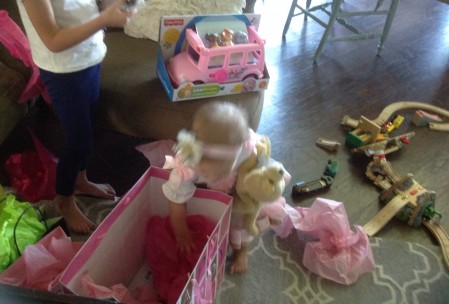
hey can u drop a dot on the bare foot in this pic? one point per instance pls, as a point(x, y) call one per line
point(240, 260)
point(75, 219)
point(96, 190)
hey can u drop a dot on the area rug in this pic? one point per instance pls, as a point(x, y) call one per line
point(405, 272)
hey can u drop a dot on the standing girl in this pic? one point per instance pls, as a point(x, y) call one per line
point(66, 40)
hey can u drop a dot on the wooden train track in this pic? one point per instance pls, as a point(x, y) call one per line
point(404, 198)
point(384, 216)
point(441, 236)
point(389, 110)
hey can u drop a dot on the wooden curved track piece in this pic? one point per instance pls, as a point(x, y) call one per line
point(389, 110)
point(439, 127)
point(441, 236)
point(394, 107)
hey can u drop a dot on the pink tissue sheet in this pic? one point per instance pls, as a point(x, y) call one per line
point(42, 263)
point(155, 151)
point(169, 266)
point(339, 254)
point(120, 292)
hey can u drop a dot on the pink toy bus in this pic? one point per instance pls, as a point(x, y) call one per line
point(230, 62)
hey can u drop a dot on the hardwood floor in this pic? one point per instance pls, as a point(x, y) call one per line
point(305, 101)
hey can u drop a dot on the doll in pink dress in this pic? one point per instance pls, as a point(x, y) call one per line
point(209, 154)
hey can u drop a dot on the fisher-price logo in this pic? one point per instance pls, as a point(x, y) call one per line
point(173, 22)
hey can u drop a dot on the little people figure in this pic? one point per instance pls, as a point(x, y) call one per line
point(212, 40)
point(226, 37)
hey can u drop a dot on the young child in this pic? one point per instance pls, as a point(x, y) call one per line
point(66, 40)
point(210, 153)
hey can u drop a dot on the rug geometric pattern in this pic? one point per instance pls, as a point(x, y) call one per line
point(405, 273)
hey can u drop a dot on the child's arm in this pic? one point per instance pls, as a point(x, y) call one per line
point(178, 218)
point(58, 39)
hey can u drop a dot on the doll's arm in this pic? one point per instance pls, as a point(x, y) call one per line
point(178, 219)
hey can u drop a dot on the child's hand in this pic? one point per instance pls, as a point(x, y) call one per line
point(115, 16)
point(184, 241)
point(178, 219)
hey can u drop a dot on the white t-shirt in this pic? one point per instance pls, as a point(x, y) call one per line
point(67, 13)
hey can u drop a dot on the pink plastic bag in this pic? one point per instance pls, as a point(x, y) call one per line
point(33, 174)
point(13, 38)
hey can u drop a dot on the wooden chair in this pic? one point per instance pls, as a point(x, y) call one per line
point(337, 12)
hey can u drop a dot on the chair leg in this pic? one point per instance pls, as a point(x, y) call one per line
point(308, 2)
point(387, 26)
point(335, 12)
point(290, 16)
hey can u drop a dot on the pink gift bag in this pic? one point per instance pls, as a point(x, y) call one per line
point(111, 264)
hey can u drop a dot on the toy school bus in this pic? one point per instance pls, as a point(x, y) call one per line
point(207, 60)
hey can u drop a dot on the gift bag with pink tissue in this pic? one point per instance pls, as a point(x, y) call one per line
point(112, 262)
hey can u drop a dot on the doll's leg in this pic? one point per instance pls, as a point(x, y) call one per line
point(239, 260)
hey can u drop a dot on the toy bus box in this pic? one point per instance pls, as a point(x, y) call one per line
point(211, 55)
point(114, 255)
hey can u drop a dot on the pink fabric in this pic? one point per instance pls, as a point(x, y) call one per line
point(13, 38)
point(171, 268)
point(340, 254)
point(41, 264)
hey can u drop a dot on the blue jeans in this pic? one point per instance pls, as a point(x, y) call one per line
point(75, 97)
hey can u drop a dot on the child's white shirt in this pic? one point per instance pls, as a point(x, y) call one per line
point(68, 13)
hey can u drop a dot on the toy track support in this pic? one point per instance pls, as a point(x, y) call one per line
point(350, 122)
point(330, 145)
point(441, 236)
point(384, 216)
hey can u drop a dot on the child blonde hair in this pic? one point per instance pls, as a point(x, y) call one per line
point(221, 123)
